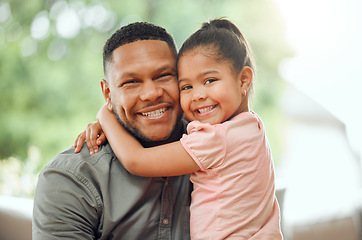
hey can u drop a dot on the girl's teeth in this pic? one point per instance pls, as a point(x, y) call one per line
point(202, 110)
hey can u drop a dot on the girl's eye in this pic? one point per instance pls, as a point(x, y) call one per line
point(186, 87)
point(210, 80)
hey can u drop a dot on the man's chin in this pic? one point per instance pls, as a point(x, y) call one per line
point(156, 137)
point(152, 139)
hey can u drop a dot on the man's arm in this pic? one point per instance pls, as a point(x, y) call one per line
point(64, 207)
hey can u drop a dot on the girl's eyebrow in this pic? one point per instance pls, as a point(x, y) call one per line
point(201, 74)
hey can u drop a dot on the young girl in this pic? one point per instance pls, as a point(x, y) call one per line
point(226, 149)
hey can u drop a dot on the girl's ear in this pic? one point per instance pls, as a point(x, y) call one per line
point(106, 94)
point(245, 77)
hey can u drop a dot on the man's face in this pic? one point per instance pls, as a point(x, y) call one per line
point(143, 88)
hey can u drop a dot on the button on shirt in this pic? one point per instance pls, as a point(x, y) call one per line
point(79, 196)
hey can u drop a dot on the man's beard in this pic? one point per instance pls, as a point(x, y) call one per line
point(145, 141)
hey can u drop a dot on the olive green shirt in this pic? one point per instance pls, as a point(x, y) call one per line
point(79, 196)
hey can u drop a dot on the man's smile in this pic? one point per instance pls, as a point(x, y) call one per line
point(155, 113)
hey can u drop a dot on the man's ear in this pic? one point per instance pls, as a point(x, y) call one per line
point(246, 77)
point(106, 94)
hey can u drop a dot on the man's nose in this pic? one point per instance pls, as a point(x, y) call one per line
point(150, 91)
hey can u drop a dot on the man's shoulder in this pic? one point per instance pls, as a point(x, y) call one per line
point(70, 161)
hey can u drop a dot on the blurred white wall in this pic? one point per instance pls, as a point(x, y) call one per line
point(327, 37)
point(322, 164)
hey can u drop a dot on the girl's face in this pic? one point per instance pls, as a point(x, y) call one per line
point(210, 91)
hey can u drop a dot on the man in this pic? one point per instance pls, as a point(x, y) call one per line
point(80, 196)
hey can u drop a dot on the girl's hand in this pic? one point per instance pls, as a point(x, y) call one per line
point(93, 135)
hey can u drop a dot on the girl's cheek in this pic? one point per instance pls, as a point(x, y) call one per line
point(185, 105)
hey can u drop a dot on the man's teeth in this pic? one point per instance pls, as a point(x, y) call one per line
point(155, 113)
point(202, 110)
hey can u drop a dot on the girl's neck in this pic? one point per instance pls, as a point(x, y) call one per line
point(244, 107)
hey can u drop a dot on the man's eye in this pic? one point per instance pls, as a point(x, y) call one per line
point(165, 76)
point(129, 82)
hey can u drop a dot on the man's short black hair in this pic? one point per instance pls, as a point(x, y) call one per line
point(134, 32)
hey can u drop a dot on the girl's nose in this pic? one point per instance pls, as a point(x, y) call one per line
point(198, 94)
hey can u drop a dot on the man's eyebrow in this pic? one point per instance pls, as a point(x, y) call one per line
point(157, 70)
point(128, 74)
point(121, 78)
point(166, 67)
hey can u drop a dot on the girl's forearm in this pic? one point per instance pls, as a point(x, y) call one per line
point(147, 162)
point(123, 143)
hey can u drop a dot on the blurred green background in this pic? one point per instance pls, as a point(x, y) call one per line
point(51, 64)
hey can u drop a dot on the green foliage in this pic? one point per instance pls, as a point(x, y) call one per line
point(50, 82)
